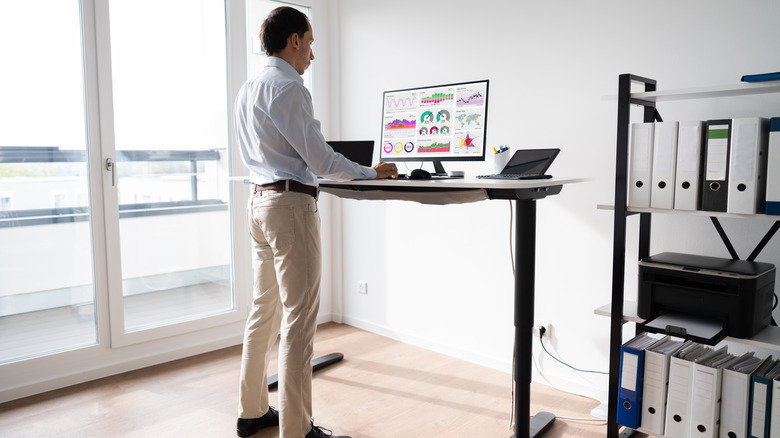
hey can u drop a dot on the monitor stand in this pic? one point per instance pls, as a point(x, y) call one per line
point(440, 173)
point(438, 169)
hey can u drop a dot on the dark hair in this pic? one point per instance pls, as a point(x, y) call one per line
point(279, 25)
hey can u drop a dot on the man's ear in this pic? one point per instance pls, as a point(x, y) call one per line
point(294, 41)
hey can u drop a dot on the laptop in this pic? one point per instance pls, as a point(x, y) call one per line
point(527, 164)
point(361, 151)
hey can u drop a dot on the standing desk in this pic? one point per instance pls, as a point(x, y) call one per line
point(453, 191)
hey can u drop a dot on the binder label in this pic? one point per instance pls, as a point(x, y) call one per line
point(759, 410)
point(630, 366)
point(717, 152)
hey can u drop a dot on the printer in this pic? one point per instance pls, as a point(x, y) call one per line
point(736, 293)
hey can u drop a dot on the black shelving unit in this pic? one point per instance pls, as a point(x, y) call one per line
point(768, 338)
point(619, 233)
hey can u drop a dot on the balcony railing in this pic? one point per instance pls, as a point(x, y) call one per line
point(53, 154)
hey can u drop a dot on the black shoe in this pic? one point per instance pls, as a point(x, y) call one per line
point(248, 427)
point(321, 432)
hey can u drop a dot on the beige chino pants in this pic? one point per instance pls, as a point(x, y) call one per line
point(287, 264)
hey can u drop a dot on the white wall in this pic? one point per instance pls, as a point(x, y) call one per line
point(440, 277)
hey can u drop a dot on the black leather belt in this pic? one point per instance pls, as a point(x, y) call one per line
point(288, 185)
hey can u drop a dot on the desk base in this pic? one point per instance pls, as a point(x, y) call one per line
point(316, 364)
point(539, 424)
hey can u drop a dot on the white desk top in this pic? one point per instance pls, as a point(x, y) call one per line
point(446, 191)
point(456, 183)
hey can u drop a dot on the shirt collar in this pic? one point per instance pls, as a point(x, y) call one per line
point(284, 66)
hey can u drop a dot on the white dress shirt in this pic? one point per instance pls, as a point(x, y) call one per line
point(279, 137)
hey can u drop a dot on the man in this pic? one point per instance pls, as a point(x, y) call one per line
point(281, 144)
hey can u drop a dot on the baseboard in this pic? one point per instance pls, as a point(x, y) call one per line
point(430, 344)
point(562, 383)
point(70, 373)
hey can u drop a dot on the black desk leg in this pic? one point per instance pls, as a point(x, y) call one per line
point(525, 269)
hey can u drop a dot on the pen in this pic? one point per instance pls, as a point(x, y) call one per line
point(495, 150)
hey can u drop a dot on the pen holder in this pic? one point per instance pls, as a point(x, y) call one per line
point(499, 160)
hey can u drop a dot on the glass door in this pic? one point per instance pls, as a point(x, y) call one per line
point(170, 166)
point(47, 288)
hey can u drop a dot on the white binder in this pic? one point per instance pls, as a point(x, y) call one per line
point(774, 421)
point(688, 177)
point(664, 164)
point(678, 406)
point(747, 165)
point(735, 395)
point(641, 165)
point(735, 404)
point(656, 380)
point(706, 396)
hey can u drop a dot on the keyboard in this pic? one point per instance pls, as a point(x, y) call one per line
point(513, 176)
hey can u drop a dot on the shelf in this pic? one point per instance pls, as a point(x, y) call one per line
point(627, 99)
point(690, 212)
point(768, 338)
point(739, 89)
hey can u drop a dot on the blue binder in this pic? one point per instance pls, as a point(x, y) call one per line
point(760, 413)
point(760, 407)
point(632, 369)
point(762, 77)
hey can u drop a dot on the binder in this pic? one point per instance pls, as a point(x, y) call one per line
point(641, 165)
point(762, 77)
point(735, 396)
point(773, 168)
point(688, 175)
point(656, 380)
point(747, 165)
point(761, 393)
point(678, 404)
point(706, 394)
point(714, 196)
point(664, 164)
point(774, 421)
point(761, 400)
point(632, 364)
point(677, 420)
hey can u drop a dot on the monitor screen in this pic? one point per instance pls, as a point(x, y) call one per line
point(437, 123)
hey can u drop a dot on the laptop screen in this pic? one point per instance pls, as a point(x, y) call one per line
point(530, 162)
point(361, 151)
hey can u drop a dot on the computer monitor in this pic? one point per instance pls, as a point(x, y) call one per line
point(436, 123)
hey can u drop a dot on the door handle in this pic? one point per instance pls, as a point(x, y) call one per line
point(111, 166)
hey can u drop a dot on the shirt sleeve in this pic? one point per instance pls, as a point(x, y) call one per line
point(293, 114)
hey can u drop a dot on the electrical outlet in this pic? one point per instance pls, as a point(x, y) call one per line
point(362, 287)
point(539, 325)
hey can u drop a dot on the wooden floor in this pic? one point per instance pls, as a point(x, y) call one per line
point(383, 388)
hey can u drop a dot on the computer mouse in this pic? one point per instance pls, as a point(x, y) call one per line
point(419, 174)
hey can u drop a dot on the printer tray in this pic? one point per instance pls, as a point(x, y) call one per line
point(697, 328)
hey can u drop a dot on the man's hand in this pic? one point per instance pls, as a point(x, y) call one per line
point(385, 170)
